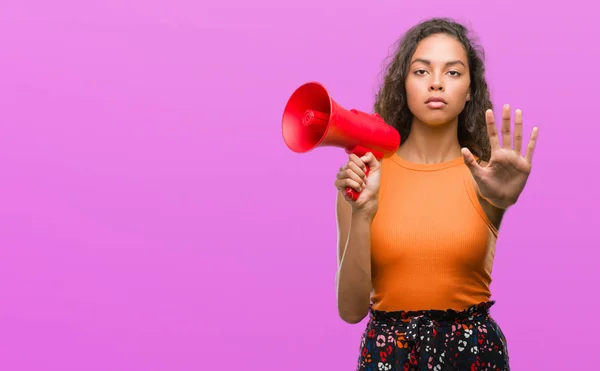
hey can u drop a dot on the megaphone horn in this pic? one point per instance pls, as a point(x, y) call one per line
point(312, 119)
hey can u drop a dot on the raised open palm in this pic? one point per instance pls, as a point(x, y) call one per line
point(503, 178)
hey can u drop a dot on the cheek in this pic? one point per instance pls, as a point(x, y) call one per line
point(413, 92)
point(460, 91)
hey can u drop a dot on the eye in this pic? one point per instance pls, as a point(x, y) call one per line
point(420, 72)
point(454, 73)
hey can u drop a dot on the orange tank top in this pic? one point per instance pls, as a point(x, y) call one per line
point(432, 245)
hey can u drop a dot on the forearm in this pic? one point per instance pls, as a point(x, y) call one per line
point(354, 271)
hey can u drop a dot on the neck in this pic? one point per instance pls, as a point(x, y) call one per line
point(430, 144)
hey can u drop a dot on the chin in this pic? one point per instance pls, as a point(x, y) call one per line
point(435, 118)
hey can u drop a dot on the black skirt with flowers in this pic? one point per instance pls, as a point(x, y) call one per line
point(435, 340)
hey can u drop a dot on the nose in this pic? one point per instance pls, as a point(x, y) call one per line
point(436, 85)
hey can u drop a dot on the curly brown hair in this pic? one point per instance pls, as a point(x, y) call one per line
point(391, 101)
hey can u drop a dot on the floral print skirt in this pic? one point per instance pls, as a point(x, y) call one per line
point(437, 340)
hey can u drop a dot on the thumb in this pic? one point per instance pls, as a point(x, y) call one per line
point(370, 160)
point(471, 162)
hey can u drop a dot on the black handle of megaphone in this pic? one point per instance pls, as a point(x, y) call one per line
point(360, 151)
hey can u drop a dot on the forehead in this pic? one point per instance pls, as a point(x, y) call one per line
point(440, 48)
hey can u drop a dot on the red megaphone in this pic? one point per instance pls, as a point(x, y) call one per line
point(311, 119)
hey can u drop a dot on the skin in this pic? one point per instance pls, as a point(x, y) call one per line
point(438, 68)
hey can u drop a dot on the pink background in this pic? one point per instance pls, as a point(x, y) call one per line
point(151, 217)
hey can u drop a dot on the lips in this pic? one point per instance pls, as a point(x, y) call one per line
point(435, 99)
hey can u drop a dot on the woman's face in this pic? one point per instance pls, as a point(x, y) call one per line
point(437, 84)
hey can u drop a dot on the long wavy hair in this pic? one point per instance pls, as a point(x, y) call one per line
point(391, 101)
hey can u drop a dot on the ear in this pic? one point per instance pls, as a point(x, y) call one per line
point(468, 97)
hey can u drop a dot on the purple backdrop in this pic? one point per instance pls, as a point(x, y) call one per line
point(151, 217)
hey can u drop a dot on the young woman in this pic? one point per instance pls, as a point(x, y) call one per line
point(416, 248)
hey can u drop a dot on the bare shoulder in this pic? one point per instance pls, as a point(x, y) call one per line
point(493, 213)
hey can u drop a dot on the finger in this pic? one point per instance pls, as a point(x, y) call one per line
point(350, 174)
point(357, 170)
point(370, 159)
point(491, 128)
point(531, 145)
point(342, 184)
point(518, 132)
point(506, 126)
point(355, 159)
point(471, 163)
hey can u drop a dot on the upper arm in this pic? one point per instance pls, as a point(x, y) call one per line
point(343, 218)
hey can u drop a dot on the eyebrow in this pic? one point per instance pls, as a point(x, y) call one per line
point(428, 62)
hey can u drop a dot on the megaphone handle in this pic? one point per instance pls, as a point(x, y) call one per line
point(350, 192)
point(360, 151)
